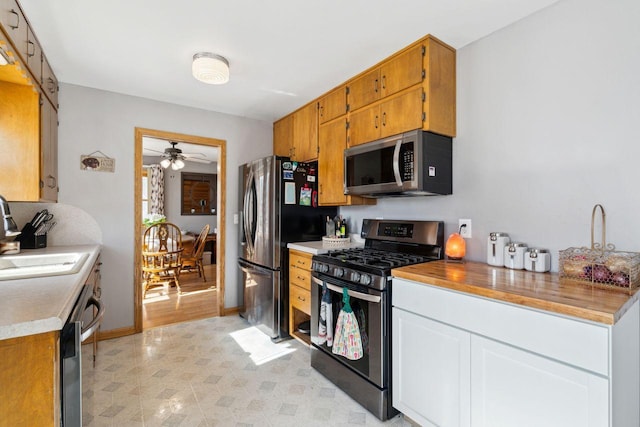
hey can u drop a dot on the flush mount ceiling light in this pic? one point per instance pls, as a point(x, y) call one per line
point(210, 68)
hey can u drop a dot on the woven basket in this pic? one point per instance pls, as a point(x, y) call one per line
point(601, 265)
point(335, 242)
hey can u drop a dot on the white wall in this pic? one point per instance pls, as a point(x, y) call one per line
point(93, 120)
point(548, 112)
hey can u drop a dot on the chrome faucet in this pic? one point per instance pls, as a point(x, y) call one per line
point(9, 225)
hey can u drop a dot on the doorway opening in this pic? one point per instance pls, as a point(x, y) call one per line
point(173, 307)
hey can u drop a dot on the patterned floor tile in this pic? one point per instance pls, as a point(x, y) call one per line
point(212, 372)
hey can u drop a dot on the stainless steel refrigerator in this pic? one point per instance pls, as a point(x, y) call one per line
point(278, 205)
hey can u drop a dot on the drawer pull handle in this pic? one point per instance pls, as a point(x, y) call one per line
point(300, 298)
point(15, 27)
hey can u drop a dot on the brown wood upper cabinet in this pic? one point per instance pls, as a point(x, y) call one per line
point(414, 89)
point(332, 141)
point(283, 136)
point(28, 113)
point(392, 76)
point(305, 133)
point(296, 135)
point(332, 105)
point(15, 25)
point(48, 151)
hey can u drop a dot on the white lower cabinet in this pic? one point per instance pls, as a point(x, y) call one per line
point(430, 370)
point(513, 387)
point(461, 360)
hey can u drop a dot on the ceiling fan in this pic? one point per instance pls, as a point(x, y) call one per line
point(175, 158)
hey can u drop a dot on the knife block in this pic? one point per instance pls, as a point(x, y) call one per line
point(29, 239)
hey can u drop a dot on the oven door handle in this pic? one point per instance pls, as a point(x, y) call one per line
point(365, 297)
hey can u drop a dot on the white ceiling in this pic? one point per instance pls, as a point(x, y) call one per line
point(282, 53)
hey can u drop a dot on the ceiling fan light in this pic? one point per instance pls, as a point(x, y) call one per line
point(210, 68)
point(177, 164)
point(165, 163)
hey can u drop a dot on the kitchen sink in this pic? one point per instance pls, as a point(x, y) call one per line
point(28, 266)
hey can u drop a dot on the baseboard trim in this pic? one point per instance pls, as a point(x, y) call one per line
point(230, 311)
point(115, 333)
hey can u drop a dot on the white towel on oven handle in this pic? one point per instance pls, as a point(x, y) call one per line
point(325, 322)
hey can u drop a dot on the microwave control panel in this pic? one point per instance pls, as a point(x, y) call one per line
point(407, 162)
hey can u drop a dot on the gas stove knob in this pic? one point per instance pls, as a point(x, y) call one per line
point(355, 276)
point(324, 268)
point(314, 266)
point(365, 279)
point(338, 272)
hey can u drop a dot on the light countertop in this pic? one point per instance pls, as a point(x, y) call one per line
point(544, 291)
point(42, 304)
point(317, 248)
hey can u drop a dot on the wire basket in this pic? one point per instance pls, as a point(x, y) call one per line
point(335, 242)
point(601, 265)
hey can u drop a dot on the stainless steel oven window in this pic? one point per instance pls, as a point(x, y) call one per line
point(369, 307)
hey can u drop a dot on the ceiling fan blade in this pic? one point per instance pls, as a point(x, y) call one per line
point(196, 160)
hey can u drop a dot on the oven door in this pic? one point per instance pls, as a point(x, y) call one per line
point(369, 307)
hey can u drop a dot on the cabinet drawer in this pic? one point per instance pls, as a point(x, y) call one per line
point(300, 278)
point(299, 261)
point(300, 298)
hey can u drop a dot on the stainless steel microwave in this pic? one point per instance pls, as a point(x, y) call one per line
point(416, 163)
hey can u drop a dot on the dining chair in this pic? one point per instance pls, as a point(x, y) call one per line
point(194, 259)
point(161, 255)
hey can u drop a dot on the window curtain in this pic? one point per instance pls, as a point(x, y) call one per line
point(156, 186)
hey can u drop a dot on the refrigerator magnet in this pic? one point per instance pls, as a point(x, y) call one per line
point(287, 175)
point(305, 196)
point(289, 193)
point(311, 178)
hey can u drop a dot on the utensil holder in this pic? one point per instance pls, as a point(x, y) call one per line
point(30, 240)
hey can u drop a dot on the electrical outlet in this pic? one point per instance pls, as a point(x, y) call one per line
point(464, 225)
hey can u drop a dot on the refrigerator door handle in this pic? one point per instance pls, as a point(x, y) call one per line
point(251, 268)
point(249, 221)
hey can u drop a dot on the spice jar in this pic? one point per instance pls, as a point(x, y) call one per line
point(495, 248)
point(514, 255)
point(538, 260)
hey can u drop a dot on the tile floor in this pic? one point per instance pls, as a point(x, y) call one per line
point(212, 372)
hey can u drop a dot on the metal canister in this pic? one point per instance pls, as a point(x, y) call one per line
point(538, 260)
point(514, 255)
point(495, 248)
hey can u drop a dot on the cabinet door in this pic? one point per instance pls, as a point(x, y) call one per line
point(332, 105)
point(364, 125)
point(48, 152)
point(34, 56)
point(513, 387)
point(15, 25)
point(364, 90)
point(305, 133)
point(332, 141)
point(49, 82)
point(283, 136)
point(431, 376)
point(401, 113)
point(402, 71)
point(20, 142)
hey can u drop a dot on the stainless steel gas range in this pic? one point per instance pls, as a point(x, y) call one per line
point(365, 273)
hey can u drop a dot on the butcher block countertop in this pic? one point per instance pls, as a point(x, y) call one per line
point(544, 291)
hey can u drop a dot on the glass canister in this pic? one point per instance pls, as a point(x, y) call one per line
point(495, 248)
point(538, 260)
point(514, 255)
